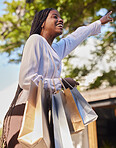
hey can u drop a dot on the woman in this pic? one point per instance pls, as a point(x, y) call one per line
point(42, 60)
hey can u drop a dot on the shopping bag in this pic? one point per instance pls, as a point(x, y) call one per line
point(72, 113)
point(87, 113)
point(34, 130)
point(62, 135)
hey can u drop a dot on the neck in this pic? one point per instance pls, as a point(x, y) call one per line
point(48, 37)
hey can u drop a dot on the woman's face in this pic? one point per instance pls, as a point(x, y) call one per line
point(53, 24)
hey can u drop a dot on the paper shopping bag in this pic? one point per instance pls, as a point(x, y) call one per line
point(34, 130)
point(87, 113)
point(62, 135)
point(72, 113)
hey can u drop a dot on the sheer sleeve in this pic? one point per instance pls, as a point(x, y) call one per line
point(30, 62)
point(66, 45)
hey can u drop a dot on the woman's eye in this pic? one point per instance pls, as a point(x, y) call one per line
point(55, 17)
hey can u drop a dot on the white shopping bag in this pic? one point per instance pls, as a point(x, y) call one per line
point(87, 113)
point(62, 134)
point(34, 130)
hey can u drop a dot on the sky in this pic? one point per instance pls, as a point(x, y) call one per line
point(8, 78)
point(9, 73)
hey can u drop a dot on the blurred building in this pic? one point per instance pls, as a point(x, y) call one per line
point(101, 133)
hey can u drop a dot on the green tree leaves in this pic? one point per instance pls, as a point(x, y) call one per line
point(15, 26)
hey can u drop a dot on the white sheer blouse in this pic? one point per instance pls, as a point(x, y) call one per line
point(42, 61)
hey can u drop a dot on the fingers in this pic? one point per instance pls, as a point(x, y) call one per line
point(109, 13)
point(108, 16)
point(77, 83)
point(69, 81)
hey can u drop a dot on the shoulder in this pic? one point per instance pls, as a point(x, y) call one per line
point(34, 38)
point(33, 43)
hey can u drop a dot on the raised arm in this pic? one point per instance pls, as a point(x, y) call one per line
point(66, 45)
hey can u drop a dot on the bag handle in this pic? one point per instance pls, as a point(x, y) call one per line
point(47, 68)
point(37, 77)
point(54, 85)
point(55, 68)
point(68, 83)
point(62, 84)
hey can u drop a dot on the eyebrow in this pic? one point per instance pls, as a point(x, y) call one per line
point(55, 14)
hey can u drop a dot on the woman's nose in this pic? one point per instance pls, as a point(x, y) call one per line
point(60, 20)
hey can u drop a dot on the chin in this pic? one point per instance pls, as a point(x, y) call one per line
point(59, 33)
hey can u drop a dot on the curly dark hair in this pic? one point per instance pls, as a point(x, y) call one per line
point(38, 20)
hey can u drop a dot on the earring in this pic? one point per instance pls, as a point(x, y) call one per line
point(42, 26)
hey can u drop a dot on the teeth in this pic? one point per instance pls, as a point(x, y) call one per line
point(60, 25)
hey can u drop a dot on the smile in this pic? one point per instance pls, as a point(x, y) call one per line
point(60, 25)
